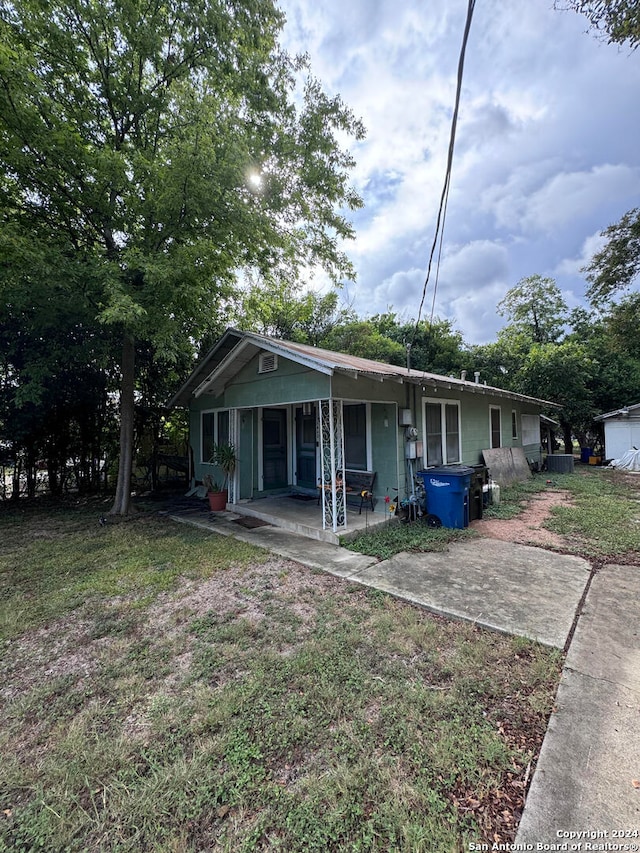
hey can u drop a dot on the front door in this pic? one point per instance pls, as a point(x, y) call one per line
point(306, 448)
point(274, 448)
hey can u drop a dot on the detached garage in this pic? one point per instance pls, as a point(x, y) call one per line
point(621, 431)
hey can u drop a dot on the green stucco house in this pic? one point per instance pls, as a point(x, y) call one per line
point(301, 417)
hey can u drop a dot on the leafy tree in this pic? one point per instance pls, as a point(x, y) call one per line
point(273, 307)
point(560, 373)
point(362, 338)
point(160, 148)
point(612, 342)
point(435, 346)
point(536, 306)
point(622, 323)
point(55, 375)
point(619, 20)
point(617, 264)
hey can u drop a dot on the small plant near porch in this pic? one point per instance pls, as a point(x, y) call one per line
point(224, 457)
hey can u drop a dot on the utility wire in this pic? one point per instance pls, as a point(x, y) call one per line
point(442, 210)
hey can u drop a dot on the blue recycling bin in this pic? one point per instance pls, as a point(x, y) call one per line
point(447, 494)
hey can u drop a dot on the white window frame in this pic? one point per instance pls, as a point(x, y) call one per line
point(215, 413)
point(442, 402)
point(497, 409)
point(531, 429)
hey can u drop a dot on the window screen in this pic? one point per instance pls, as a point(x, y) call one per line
point(355, 436)
point(453, 433)
point(531, 429)
point(208, 440)
point(434, 434)
point(496, 433)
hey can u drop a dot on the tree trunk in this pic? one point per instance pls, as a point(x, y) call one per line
point(568, 438)
point(123, 488)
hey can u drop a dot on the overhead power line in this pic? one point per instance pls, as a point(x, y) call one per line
point(444, 198)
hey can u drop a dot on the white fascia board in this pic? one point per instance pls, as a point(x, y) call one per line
point(292, 355)
point(226, 361)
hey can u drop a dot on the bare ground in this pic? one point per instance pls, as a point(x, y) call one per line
point(527, 528)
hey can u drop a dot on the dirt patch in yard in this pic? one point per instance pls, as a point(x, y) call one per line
point(527, 528)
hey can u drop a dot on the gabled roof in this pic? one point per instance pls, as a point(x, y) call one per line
point(215, 355)
point(236, 349)
point(618, 413)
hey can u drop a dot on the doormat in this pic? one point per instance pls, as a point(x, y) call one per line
point(250, 522)
point(303, 498)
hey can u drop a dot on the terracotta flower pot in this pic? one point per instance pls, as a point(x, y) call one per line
point(218, 500)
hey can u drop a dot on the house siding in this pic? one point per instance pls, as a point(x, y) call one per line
point(289, 383)
point(292, 383)
point(475, 423)
point(621, 435)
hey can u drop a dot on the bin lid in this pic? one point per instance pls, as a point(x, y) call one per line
point(448, 471)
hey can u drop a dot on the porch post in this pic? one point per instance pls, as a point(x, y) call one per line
point(332, 461)
point(234, 439)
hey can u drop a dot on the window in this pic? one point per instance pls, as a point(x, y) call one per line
point(530, 429)
point(496, 426)
point(514, 425)
point(442, 432)
point(355, 436)
point(215, 430)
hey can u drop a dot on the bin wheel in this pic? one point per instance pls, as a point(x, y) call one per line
point(432, 520)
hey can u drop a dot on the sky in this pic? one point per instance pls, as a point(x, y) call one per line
point(546, 155)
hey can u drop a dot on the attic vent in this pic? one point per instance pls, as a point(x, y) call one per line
point(267, 362)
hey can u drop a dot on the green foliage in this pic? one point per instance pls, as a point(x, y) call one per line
point(130, 138)
point(274, 308)
point(385, 540)
point(536, 307)
point(617, 264)
point(360, 337)
point(617, 20)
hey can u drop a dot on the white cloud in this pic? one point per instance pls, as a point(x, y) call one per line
point(546, 154)
point(571, 195)
point(574, 266)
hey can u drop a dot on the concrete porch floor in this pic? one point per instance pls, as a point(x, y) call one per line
point(305, 516)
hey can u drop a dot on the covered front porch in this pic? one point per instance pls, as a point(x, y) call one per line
point(301, 514)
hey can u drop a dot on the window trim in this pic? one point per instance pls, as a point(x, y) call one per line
point(443, 403)
point(514, 425)
point(215, 413)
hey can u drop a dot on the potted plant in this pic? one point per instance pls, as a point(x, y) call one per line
point(224, 456)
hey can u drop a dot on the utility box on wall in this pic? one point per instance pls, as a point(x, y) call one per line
point(410, 450)
point(404, 417)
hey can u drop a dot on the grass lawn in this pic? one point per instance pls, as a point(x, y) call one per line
point(167, 689)
point(602, 519)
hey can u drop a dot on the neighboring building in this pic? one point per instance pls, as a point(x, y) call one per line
point(299, 416)
point(621, 431)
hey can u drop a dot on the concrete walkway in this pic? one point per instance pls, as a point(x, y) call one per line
point(591, 752)
point(511, 588)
